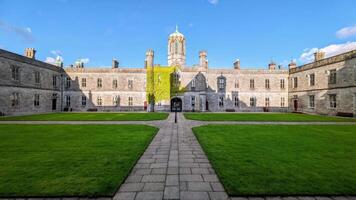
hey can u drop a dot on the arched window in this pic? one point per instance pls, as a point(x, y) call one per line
point(176, 47)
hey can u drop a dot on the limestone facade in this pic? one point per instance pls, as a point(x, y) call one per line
point(325, 86)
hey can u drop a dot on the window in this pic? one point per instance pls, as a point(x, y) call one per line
point(54, 81)
point(252, 84)
point(252, 102)
point(267, 83)
point(116, 100)
point(193, 84)
point(67, 101)
point(295, 82)
point(15, 73)
point(267, 102)
point(332, 100)
point(99, 101)
point(99, 83)
point(130, 84)
point(311, 101)
point(236, 101)
point(192, 101)
point(84, 101)
point(84, 82)
point(221, 101)
point(236, 84)
point(282, 101)
point(68, 81)
point(332, 76)
point(37, 77)
point(36, 101)
point(282, 83)
point(14, 99)
point(114, 83)
point(312, 79)
point(221, 83)
point(176, 47)
point(130, 101)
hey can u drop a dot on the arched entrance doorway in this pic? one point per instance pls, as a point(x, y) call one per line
point(176, 103)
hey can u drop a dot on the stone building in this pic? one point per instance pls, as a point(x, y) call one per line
point(325, 86)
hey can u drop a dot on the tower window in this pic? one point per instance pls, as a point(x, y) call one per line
point(282, 84)
point(99, 83)
point(37, 77)
point(252, 84)
point(267, 101)
point(176, 47)
point(267, 83)
point(221, 101)
point(252, 102)
point(67, 101)
point(84, 101)
point(36, 101)
point(84, 82)
point(236, 101)
point(130, 101)
point(99, 101)
point(15, 73)
point(282, 101)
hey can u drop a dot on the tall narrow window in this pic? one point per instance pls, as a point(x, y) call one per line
point(67, 101)
point(282, 83)
point(114, 83)
point(252, 83)
point(252, 101)
point(84, 101)
point(116, 100)
point(332, 100)
point(282, 101)
point(54, 81)
point(99, 83)
point(130, 84)
point(37, 77)
point(193, 84)
point(236, 101)
point(192, 101)
point(15, 73)
point(267, 83)
point(68, 82)
point(221, 101)
point(14, 99)
point(36, 101)
point(311, 101)
point(176, 47)
point(99, 101)
point(236, 84)
point(130, 101)
point(84, 82)
point(312, 79)
point(221, 83)
point(332, 76)
point(267, 102)
point(295, 82)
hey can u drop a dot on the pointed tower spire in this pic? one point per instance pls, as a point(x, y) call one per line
point(177, 29)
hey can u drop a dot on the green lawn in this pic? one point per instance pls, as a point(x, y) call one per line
point(88, 117)
point(68, 160)
point(282, 159)
point(282, 117)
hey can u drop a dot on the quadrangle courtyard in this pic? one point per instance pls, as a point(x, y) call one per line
point(202, 156)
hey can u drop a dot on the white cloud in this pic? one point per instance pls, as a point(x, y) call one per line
point(346, 32)
point(57, 57)
point(331, 50)
point(25, 33)
point(214, 2)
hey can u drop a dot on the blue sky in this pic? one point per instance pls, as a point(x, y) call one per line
point(255, 31)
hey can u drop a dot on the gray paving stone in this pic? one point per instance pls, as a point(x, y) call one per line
point(149, 187)
point(185, 170)
point(159, 171)
point(133, 179)
point(194, 195)
point(199, 186)
point(149, 196)
point(172, 180)
point(172, 170)
point(153, 178)
point(158, 165)
point(171, 192)
point(142, 171)
point(125, 196)
point(131, 187)
point(187, 177)
point(217, 187)
point(218, 196)
point(200, 170)
point(210, 178)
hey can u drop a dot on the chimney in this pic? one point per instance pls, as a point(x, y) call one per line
point(149, 58)
point(319, 55)
point(292, 65)
point(203, 62)
point(115, 63)
point(272, 66)
point(30, 53)
point(237, 64)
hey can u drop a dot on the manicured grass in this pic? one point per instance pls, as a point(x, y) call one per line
point(88, 117)
point(68, 160)
point(282, 159)
point(282, 117)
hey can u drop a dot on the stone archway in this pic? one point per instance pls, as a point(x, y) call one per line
point(176, 103)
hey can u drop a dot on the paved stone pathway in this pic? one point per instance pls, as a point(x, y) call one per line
point(174, 165)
